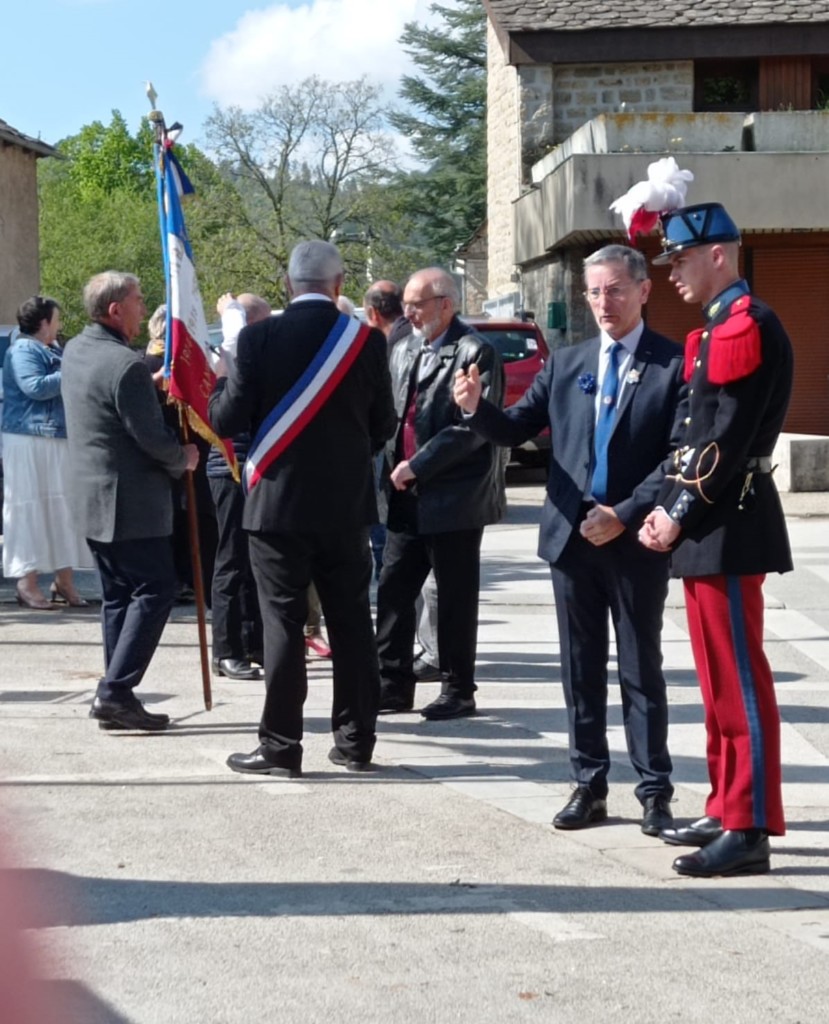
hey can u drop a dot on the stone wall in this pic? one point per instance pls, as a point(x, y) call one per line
point(535, 115)
point(19, 268)
point(582, 91)
point(503, 164)
point(560, 280)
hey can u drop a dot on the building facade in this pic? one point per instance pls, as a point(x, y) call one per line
point(19, 257)
point(582, 97)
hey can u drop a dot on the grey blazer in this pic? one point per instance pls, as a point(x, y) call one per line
point(122, 455)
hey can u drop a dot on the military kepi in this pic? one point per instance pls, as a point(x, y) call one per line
point(690, 226)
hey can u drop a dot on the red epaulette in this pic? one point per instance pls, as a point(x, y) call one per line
point(692, 344)
point(736, 348)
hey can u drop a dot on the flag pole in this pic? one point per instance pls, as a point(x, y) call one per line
point(198, 578)
point(160, 142)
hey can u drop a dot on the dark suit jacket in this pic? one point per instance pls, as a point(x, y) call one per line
point(460, 482)
point(123, 457)
point(324, 481)
point(645, 431)
point(726, 426)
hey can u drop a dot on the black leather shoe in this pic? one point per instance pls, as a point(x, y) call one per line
point(351, 764)
point(657, 814)
point(116, 714)
point(236, 668)
point(581, 810)
point(258, 763)
point(394, 701)
point(736, 852)
point(425, 672)
point(698, 833)
point(449, 706)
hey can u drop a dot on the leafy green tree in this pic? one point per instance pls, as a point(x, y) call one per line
point(445, 120)
point(98, 210)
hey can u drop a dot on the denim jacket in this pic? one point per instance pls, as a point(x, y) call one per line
point(31, 386)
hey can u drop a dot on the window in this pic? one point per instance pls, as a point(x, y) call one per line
point(725, 85)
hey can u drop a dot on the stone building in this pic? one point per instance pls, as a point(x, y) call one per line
point(19, 259)
point(470, 265)
point(583, 96)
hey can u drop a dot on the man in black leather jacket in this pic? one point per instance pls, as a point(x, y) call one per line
point(445, 484)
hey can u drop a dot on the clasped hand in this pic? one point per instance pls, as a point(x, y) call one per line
point(659, 531)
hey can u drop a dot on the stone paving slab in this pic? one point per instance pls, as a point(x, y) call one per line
point(166, 889)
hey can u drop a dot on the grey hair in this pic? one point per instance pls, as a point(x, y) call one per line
point(633, 261)
point(315, 262)
point(105, 288)
point(443, 284)
point(157, 324)
point(345, 305)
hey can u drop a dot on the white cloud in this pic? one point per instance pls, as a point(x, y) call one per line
point(338, 40)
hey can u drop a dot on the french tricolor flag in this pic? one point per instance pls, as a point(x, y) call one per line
point(188, 367)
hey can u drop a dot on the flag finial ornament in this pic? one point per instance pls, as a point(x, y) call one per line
point(665, 190)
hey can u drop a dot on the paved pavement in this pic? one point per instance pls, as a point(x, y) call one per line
point(166, 889)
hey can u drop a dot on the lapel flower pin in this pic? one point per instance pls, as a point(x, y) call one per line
point(633, 377)
point(587, 383)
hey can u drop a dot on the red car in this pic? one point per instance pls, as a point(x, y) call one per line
point(524, 351)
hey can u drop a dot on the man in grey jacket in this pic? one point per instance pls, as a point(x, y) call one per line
point(123, 459)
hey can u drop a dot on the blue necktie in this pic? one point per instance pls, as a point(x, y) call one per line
point(604, 424)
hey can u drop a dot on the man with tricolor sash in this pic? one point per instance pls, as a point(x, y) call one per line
point(313, 387)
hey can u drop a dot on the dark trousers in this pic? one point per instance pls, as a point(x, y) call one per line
point(237, 624)
point(340, 566)
point(138, 580)
point(408, 558)
point(630, 583)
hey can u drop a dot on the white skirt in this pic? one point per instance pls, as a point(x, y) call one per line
point(39, 532)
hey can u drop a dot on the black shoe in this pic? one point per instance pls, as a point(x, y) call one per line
point(581, 810)
point(657, 814)
point(117, 714)
point(258, 763)
point(236, 668)
point(736, 852)
point(394, 701)
point(351, 764)
point(698, 833)
point(449, 706)
point(425, 672)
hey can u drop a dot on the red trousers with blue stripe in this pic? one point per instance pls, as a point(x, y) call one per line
point(742, 721)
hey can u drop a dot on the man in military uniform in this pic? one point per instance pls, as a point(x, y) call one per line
point(720, 515)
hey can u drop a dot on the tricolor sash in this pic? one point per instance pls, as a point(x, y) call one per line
point(295, 410)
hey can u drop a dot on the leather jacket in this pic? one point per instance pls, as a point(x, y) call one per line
point(459, 481)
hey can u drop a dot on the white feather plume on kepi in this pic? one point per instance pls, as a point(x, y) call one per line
point(642, 204)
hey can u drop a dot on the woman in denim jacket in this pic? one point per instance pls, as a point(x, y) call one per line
point(38, 527)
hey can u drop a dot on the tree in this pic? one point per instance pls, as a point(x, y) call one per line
point(303, 162)
point(446, 123)
point(98, 211)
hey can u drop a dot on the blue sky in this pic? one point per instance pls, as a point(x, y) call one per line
point(70, 62)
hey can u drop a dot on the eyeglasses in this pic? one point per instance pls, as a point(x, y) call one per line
point(419, 305)
point(614, 292)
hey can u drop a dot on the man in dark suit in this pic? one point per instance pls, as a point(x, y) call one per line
point(612, 404)
point(124, 460)
point(309, 513)
point(445, 485)
point(720, 515)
